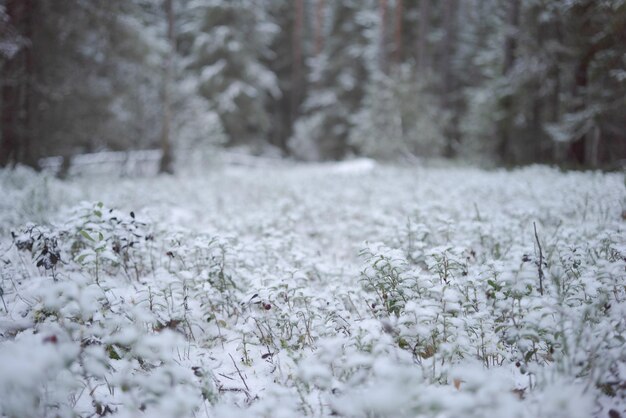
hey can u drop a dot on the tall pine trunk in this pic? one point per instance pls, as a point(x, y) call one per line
point(166, 164)
point(16, 80)
point(559, 149)
point(319, 26)
point(296, 76)
point(449, 84)
point(423, 54)
point(510, 50)
point(382, 40)
point(397, 50)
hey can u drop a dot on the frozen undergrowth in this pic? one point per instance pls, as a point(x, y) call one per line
point(349, 290)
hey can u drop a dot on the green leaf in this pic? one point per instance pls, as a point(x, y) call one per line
point(528, 355)
point(402, 343)
point(87, 236)
point(112, 353)
point(495, 285)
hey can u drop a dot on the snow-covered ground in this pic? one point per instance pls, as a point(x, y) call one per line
point(350, 289)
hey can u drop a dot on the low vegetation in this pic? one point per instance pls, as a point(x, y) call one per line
point(343, 289)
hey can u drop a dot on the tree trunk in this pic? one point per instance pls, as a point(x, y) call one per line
point(510, 48)
point(449, 85)
point(558, 148)
point(296, 77)
point(166, 164)
point(423, 55)
point(592, 147)
point(382, 46)
point(26, 154)
point(539, 145)
point(397, 50)
point(319, 27)
point(587, 150)
point(9, 147)
point(16, 81)
point(510, 42)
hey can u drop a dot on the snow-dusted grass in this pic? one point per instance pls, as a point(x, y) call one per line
point(344, 289)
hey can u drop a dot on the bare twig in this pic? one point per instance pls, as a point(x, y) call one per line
point(540, 262)
point(3, 302)
point(239, 372)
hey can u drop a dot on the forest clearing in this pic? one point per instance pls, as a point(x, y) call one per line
point(349, 289)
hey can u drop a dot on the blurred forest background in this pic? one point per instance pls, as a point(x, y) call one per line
point(503, 81)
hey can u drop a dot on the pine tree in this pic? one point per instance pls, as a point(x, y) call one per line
point(225, 44)
point(336, 79)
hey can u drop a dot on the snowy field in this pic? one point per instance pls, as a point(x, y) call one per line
point(349, 289)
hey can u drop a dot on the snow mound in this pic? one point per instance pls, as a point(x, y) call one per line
point(356, 166)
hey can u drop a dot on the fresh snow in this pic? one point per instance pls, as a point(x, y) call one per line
point(347, 289)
